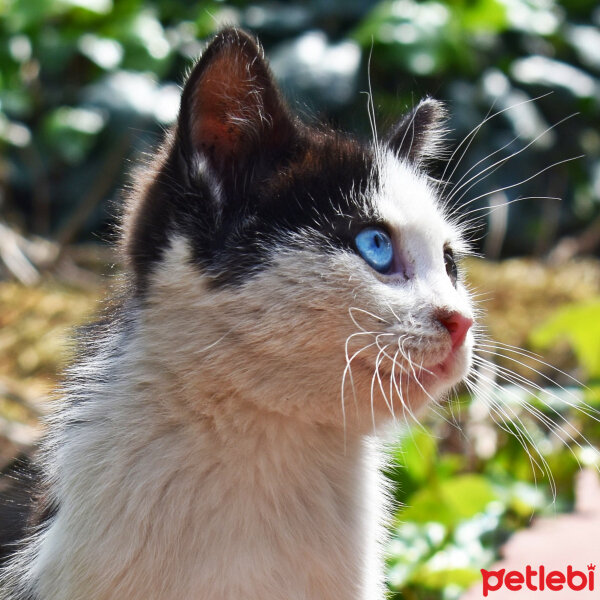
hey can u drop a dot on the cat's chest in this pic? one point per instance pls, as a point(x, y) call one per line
point(271, 529)
point(258, 519)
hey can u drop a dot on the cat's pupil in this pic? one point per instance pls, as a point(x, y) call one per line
point(375, 246)
point(451, 268)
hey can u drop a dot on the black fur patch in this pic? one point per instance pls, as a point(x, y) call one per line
point(239, 174)
point(414, 137)
point(25, 506)
point(18, 483)
point(321, 192)
point(314, 189)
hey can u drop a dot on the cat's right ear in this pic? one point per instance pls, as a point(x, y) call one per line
point(232, 116)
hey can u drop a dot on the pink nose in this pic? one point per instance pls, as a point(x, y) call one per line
point(457, 325)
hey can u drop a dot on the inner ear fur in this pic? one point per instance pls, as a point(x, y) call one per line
point(231, 109)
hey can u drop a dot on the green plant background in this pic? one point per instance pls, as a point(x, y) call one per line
point(88, 86)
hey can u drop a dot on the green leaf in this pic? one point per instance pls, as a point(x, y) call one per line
point(450, 502)
point(71, 131)
point(417, 454)
point(579, 325)
point(438, 580)
point(484, 16)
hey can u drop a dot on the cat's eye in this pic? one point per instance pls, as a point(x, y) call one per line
point(375, 246)
point(451, 268)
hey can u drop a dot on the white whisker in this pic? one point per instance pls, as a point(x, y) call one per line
point(477, 178)
point(514, 185)
point(473, 133)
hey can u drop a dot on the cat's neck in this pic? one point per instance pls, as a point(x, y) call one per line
point(276, 507)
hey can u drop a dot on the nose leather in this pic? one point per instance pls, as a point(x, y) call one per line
point(457, 325)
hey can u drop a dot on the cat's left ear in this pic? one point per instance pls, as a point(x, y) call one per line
point(417, 137)
point(232, 115)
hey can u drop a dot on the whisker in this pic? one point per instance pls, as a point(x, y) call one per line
point(577, 404)
point(537, 413)
point(473, 133)
point(513, 185)
point(482, 160)
point(495, 408)
point(521, 432)
point(375, 373)
point(366, 312)
point(492, 209)
point(485, 342)
point(409, 361)
point(477, 178)
point(377, 365)
point(348, 371)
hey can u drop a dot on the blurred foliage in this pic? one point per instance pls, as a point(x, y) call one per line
point(83, 82)
point(35, 328)
point(86, 85)
point(578, 324)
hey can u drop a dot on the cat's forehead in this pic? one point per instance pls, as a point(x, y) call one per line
point(327, 174)
point(364, 182)
point(407, 201)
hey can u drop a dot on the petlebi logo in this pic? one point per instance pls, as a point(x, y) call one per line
point(539, 579)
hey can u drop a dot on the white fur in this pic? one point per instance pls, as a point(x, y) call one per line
point(217, 458)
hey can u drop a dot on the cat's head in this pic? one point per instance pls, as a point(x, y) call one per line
point(295, 267)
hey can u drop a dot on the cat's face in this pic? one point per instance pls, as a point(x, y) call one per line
point(292, 267)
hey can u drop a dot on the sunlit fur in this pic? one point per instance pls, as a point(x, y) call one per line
point(220, 441)
point(221, 458)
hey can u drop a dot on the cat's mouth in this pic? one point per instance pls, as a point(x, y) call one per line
point(431, 376)
point(415, 375)
point(445, 367)
point(446, 373)
point(423, 373)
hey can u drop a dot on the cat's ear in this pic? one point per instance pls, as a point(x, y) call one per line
point(418, 135)
point(232, 114)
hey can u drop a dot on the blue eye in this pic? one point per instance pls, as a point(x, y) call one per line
point(375, 246)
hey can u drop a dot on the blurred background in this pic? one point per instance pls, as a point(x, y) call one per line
point(87, 88)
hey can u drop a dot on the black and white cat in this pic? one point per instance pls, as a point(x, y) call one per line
point(291, 291)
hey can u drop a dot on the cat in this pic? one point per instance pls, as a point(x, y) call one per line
point(290, 292)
